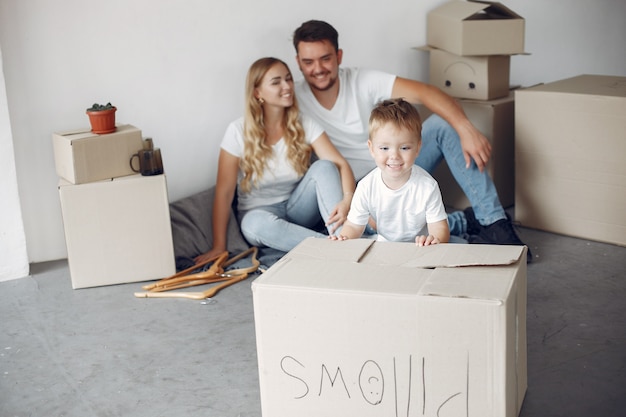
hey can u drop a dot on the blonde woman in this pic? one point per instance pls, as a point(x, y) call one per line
point(265, 157)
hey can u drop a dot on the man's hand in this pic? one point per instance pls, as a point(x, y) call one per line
point(475, 146)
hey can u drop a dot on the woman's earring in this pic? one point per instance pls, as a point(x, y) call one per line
point(260, 100)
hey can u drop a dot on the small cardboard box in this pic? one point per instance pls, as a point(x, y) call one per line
point(475, 28)
point(117, 231)
point(81, 156)
point(496, 120)
point(473, 77)
point(366, 328)
point(570, 148)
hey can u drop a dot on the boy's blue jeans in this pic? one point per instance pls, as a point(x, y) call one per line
point(440, 140)
point(284, 225)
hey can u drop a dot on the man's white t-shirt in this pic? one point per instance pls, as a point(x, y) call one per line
point(347, 122)
point(400, 214)
point(280, 178)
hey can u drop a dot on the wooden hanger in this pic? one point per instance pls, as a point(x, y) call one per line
point(216, 273)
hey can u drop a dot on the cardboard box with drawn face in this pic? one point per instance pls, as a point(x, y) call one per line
point(473, 77)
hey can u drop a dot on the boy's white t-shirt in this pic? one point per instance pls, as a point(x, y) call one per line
point(280, 178)
point(399, 214)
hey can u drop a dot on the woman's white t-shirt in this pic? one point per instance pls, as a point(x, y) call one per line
point(280, 178)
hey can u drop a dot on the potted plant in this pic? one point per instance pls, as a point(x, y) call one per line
point(102, 118)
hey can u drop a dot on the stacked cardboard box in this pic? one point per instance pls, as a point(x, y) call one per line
point(117, 223)
point(470, 45)
point(570, 148)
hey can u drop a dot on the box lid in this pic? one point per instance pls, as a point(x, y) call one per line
point(368, 266)
point(475, 10)
point(86, 133)
point(587, 84)
point(406, 254)
point(445, 255)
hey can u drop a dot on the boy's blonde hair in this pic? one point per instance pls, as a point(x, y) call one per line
point(400, 113)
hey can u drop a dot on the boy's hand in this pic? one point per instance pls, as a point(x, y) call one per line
point(426, 240)
point(340, 237)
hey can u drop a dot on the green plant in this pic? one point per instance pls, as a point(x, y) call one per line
point(100, 107)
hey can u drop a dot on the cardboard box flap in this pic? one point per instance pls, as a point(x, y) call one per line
point(442, 255)
point(346, 251)
point(334, 276)
point(476, 10)
point(486, 283)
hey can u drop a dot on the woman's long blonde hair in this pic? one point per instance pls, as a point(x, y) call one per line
point(256, 152)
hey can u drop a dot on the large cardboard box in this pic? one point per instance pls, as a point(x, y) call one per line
point(496, 120)
point(366, 328)
point(82, 156)
point(473, 77)
point(475, 28)
point(570, 149)
point(117, 231)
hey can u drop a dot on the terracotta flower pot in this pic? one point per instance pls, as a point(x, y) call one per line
point(102, 121)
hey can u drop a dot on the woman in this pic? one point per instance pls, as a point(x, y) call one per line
point(266, 157)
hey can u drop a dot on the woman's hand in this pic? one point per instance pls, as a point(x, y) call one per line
point(207, 256)
point(339, 214)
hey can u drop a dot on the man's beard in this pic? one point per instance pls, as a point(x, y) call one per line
point(331, 83)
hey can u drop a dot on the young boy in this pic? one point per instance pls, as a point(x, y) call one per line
point(400, 197)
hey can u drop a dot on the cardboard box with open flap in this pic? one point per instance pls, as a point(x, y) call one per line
point(475, 28)
point(370, 328)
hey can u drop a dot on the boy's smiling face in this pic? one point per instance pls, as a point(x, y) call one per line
point(394, 150)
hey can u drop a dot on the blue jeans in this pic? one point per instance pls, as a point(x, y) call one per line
point(440, 140)
point(283, 225)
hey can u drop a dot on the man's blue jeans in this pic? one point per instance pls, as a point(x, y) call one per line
point(440, 140)
point(284, 225)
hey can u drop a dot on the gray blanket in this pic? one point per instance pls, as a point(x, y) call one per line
point(192, 231)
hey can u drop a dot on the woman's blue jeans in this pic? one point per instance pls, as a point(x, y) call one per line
point(284, 225)
point(440, 140)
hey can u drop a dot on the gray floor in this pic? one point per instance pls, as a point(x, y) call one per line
point(103, 352)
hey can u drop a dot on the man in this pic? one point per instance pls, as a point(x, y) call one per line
point(341, 100)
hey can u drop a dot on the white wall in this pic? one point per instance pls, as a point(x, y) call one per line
point(13, 255)
point(175, 69)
